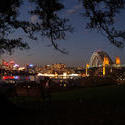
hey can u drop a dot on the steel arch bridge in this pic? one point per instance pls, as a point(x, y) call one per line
point(97, 58)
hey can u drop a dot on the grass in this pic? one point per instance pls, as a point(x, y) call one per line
point(104, 94)
point(61, 113)
point(110, 94)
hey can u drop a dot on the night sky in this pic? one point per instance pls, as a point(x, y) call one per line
point(80, 44)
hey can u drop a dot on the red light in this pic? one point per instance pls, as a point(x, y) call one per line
point(12, 62)
point(5, 63)
point(8, 77)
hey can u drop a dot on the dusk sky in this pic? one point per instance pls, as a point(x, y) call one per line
point(80, 44)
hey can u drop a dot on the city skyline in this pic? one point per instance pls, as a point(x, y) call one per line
point(94, 54)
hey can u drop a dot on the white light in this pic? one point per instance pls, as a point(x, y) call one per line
point(73, 74)
point(64, 74)
point(16, 65)
point(31, 65)
point(21, 68)
point(45, 74)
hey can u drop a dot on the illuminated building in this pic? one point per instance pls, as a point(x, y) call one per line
point(21, 68)
point(58, 66)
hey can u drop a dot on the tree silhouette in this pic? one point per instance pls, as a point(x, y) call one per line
point(8, 14)
point(101, 15)
point(50, 25)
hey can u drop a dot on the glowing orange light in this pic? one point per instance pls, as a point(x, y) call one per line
point(117, 60)
point(87, 66)
point(106, 61)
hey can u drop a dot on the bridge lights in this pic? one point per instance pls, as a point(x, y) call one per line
point(117, 60)
point(103, 69)
point(87, 66)
point(105, 62)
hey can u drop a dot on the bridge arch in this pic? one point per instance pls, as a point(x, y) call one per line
point(97, 58)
